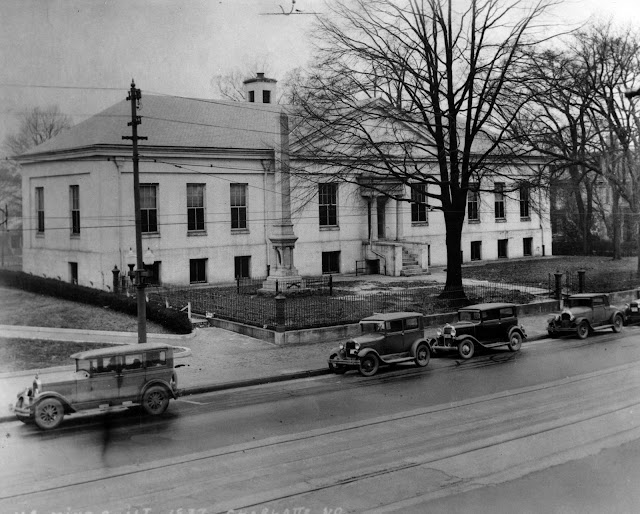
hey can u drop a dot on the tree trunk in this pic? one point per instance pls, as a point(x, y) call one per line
point(615, 214)
point(454, 222)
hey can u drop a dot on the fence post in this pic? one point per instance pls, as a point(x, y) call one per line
point(558, 276)
point(280, 313)
point(238, 284)
point(116, 279)
point(581, 273)
point(330, 285)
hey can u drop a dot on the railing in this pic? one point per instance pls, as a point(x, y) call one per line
point(318, 310)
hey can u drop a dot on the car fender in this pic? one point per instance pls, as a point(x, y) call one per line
point(335, 350)
point(155, 382)
point(463, 337)
point(414, 346)
point(616, 313)
point(52, 394)
point(367, 351)
point(519, 330)
point(581, 319)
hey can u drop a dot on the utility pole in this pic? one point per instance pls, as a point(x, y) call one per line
point(5, 228)
point(134, 97)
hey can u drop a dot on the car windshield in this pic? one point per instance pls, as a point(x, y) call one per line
point(578, 302)
point(469, 315)
point(375, 326)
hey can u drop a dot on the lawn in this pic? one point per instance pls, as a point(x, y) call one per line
point(19, 307)
point(599, 270)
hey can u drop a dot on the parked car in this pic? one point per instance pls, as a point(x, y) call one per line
point(138, 374)
point(385, 339)
point(632, 312)
point(584, 313)
point(484, 325)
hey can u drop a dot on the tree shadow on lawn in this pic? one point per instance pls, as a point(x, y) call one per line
point(24, 354)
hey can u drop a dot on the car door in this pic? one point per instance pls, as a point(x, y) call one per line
point(101, 386)
point(131, 377)
point(412, 332)
point(599, 311)
point(489, 331)
point(394, 340)
point(507, 320)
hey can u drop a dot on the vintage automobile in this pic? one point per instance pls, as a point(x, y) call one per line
point(484, 325)
point(133, 374)
point(385, 339)
point(632, 312)
point(583, 313)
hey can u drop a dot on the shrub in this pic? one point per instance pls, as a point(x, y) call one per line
point(173, 320)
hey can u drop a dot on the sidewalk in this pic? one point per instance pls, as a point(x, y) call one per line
point(219, 359)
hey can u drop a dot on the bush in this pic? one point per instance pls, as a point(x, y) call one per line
point(173, 320)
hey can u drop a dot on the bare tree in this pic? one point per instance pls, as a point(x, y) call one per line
point(37, 126)
point(418, 93)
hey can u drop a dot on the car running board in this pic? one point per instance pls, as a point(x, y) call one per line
point(396, 358)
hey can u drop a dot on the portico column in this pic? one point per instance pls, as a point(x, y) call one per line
point(374, 217)
point(399, 219)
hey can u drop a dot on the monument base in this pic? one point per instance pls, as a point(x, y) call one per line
point(285, 284)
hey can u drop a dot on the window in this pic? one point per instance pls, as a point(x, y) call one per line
point(252, 96)
point(73, 272)
point(476, 250)
point(330, 262)
point(328, 200)
point(503, 248)
point(473, 201)
point(195, 207)
point(242, 266)
point(74, 201)
point(197, 270)
point(394, 325)
point(524, 202)
point(133, 361)
point(419, 203)
point(149, 207)
point(266, 97)
point(40, 210)
point(527, 245)
point(506, 312)
point(238, 206)
point(411, 324)
point(498, 189)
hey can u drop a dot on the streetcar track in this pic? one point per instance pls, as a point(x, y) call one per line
point(238, 449)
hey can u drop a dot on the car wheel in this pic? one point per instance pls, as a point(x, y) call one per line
point(617, 323)
point(583, 330)
point(338, 369)
point(49, 413)
point(515, 342)
point(466, 349)
point(369, 365)
point(155, 400)
point(422, 355)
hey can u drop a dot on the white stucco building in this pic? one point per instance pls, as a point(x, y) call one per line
point(212, 193)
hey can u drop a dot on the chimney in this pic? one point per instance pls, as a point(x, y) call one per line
point(260, 89)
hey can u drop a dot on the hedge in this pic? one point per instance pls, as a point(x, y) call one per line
point(171, 319)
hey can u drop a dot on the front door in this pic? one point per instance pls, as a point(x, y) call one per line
point(131, 377)
point(394, 340)
point(381, 218)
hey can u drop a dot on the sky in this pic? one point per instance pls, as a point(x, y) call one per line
point(82, 54)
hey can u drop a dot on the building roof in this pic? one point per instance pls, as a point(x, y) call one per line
point(170, 121)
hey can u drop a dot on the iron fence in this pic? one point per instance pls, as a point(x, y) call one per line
point(318, 310)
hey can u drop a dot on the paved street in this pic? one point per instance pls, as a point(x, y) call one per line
point(397, 442)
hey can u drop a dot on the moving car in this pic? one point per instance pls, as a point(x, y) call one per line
point(484, 325)
point(584, 313)
point(385, 339)
point(138, 374)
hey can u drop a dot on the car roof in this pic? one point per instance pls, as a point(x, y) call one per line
point(587, 295)
point(387, 316)
point(120, 350)
point(486, 306)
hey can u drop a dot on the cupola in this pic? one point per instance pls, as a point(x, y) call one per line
point(260, 89)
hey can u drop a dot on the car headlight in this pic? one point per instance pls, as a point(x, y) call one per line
point(357, 346)
point(453, 331)
point(341, 346)
point(438, 333)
